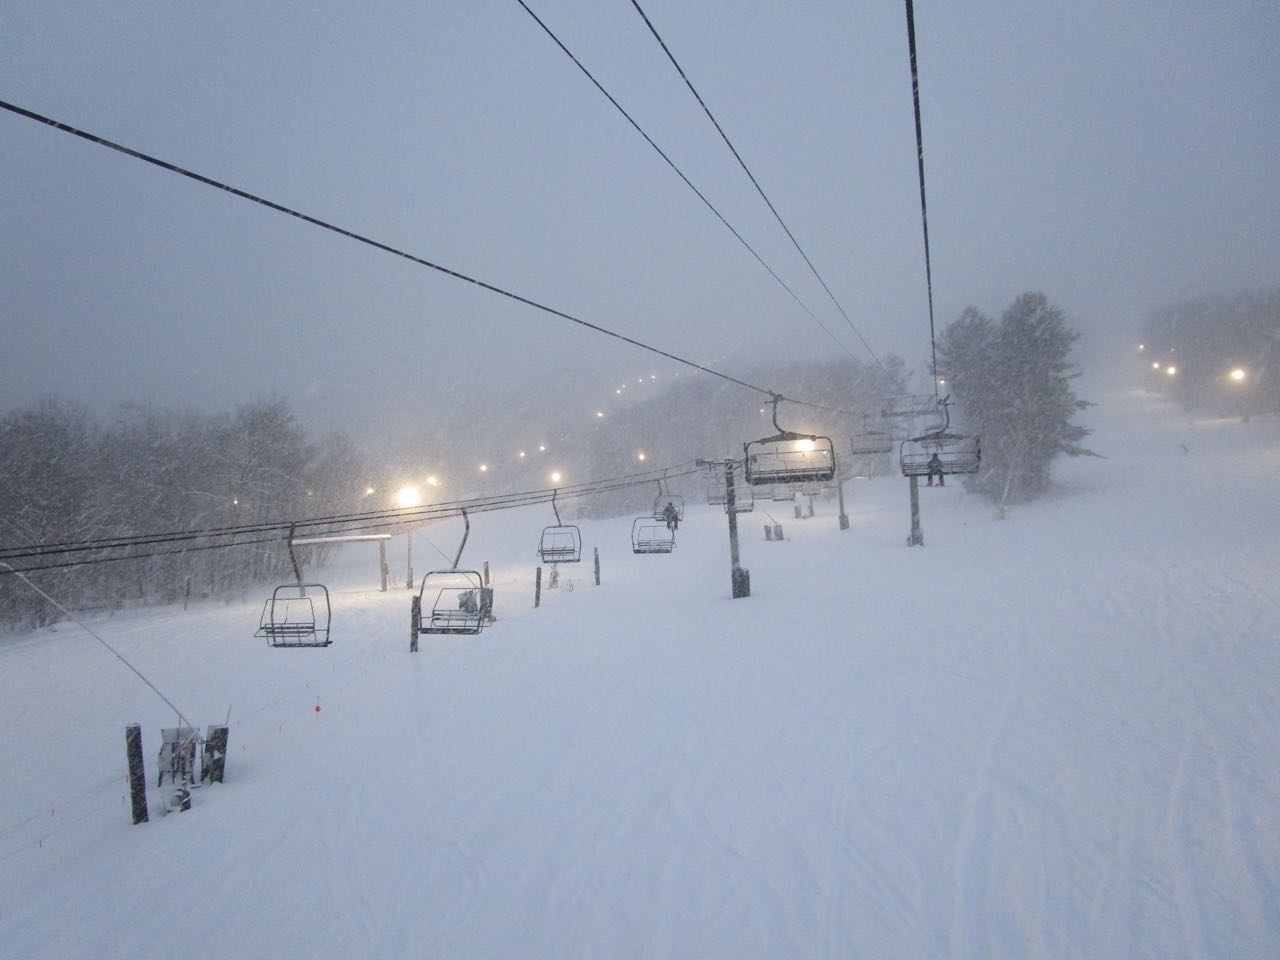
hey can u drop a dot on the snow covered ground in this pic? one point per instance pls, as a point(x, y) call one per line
point(1052, 736)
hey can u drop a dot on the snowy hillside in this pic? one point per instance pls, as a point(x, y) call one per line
point(1053, 736)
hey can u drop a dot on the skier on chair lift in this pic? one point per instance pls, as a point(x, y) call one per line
point(935, 470)
point(672, 516)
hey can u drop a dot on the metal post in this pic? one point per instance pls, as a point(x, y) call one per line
point(739, 578)
point(844, 519)
point(596, 551)
point(382, 562)
point(810, 513)
point(916, 539)
point(186, 594)
point(486, 573)
point(799, 512)
point(137, 774)
point(768, 531)
point(777, 531)
point(537, 587)
point(409, 560)
point(297, 570)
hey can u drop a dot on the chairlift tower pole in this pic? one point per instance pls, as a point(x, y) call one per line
point(844, 518)
point(739, 579)
point(916, 537)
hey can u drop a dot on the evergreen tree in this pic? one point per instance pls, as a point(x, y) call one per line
point(1012, 384)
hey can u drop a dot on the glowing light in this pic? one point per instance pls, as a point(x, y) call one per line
point(1171, 370)
point(640, 456)
point(235, 503)
point(542, 448)
point(555, 476)
point(1237, 374)
point(1155, 365)
point(599, 413)
point(941, 382)
point(368, 490)
point(805, 445)
point(1142, 346)
point(408, 497)
point(618, 391)
point(521, 454)
point(484, 468)
point(433, 481)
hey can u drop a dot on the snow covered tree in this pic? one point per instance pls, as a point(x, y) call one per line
point(1011, 382)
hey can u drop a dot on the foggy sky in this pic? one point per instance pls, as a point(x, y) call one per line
point(1114, 156)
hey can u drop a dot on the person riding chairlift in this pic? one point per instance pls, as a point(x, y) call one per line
point(672, 516)
point(935, 470)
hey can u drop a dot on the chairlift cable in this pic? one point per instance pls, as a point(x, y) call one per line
point(377, 245)
point(755, 183)
point(438, 512)
point(924, 215)
point(680, 173)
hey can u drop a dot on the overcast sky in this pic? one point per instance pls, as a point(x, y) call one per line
point(1114, 156)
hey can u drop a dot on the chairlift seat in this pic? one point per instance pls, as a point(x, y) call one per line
point(289, 617)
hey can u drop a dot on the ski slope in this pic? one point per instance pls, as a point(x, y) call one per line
point(1056, 735)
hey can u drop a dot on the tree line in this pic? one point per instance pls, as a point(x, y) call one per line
point(72, 477)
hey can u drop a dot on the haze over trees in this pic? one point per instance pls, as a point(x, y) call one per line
point(1011, 382)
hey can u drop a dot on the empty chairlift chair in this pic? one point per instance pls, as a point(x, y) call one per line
point(289, 617)
point(789, 457)
point(652, 535)
point(451, 601)
point(561, 543)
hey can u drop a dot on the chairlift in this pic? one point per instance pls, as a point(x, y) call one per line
point(561, 543)
point(665, 496)
point(289, 617)
point(451, 601)
point(955, 453)
point(744, 498)
point(652, 535)
point(788, 457)
point(908, 405)
point(871, 443)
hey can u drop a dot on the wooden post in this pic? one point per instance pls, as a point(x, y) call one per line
point(537, 587)
point(596, 552)
point(137, 773)
point(916, 537)
point(415, 623)
point(214, 761)
point(382, 562)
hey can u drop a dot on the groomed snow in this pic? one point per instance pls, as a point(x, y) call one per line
point(1052, 736)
